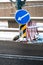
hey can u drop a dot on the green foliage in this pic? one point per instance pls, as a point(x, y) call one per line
point(11, 0)
point(20, 3)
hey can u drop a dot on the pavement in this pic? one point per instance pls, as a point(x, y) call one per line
point(4, 35)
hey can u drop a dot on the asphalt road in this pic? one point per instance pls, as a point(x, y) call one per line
point(19, 62)
point(20, 53)
point(21, 48)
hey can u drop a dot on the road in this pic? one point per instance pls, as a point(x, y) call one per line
point(16, 53)
point(21, 48)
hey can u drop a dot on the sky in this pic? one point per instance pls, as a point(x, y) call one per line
point(15, 0)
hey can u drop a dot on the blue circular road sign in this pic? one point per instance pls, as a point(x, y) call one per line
point(22, 16)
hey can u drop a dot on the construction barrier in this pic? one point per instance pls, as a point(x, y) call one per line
point(31, 31)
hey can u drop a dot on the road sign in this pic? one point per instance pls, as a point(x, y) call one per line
point(22, 16)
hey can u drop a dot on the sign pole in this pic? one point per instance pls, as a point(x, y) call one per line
point(22, 28)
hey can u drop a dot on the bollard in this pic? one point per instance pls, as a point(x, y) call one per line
point(22, 31)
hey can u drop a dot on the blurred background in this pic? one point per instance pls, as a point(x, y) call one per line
point(7, 17)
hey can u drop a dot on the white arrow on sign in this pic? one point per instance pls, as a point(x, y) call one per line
point(23, 16)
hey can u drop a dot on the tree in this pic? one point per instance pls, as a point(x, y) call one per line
point(19, 3)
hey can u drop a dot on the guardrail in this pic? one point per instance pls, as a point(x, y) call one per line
point(8, 18)
point(13, 18)
point(9, 29)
